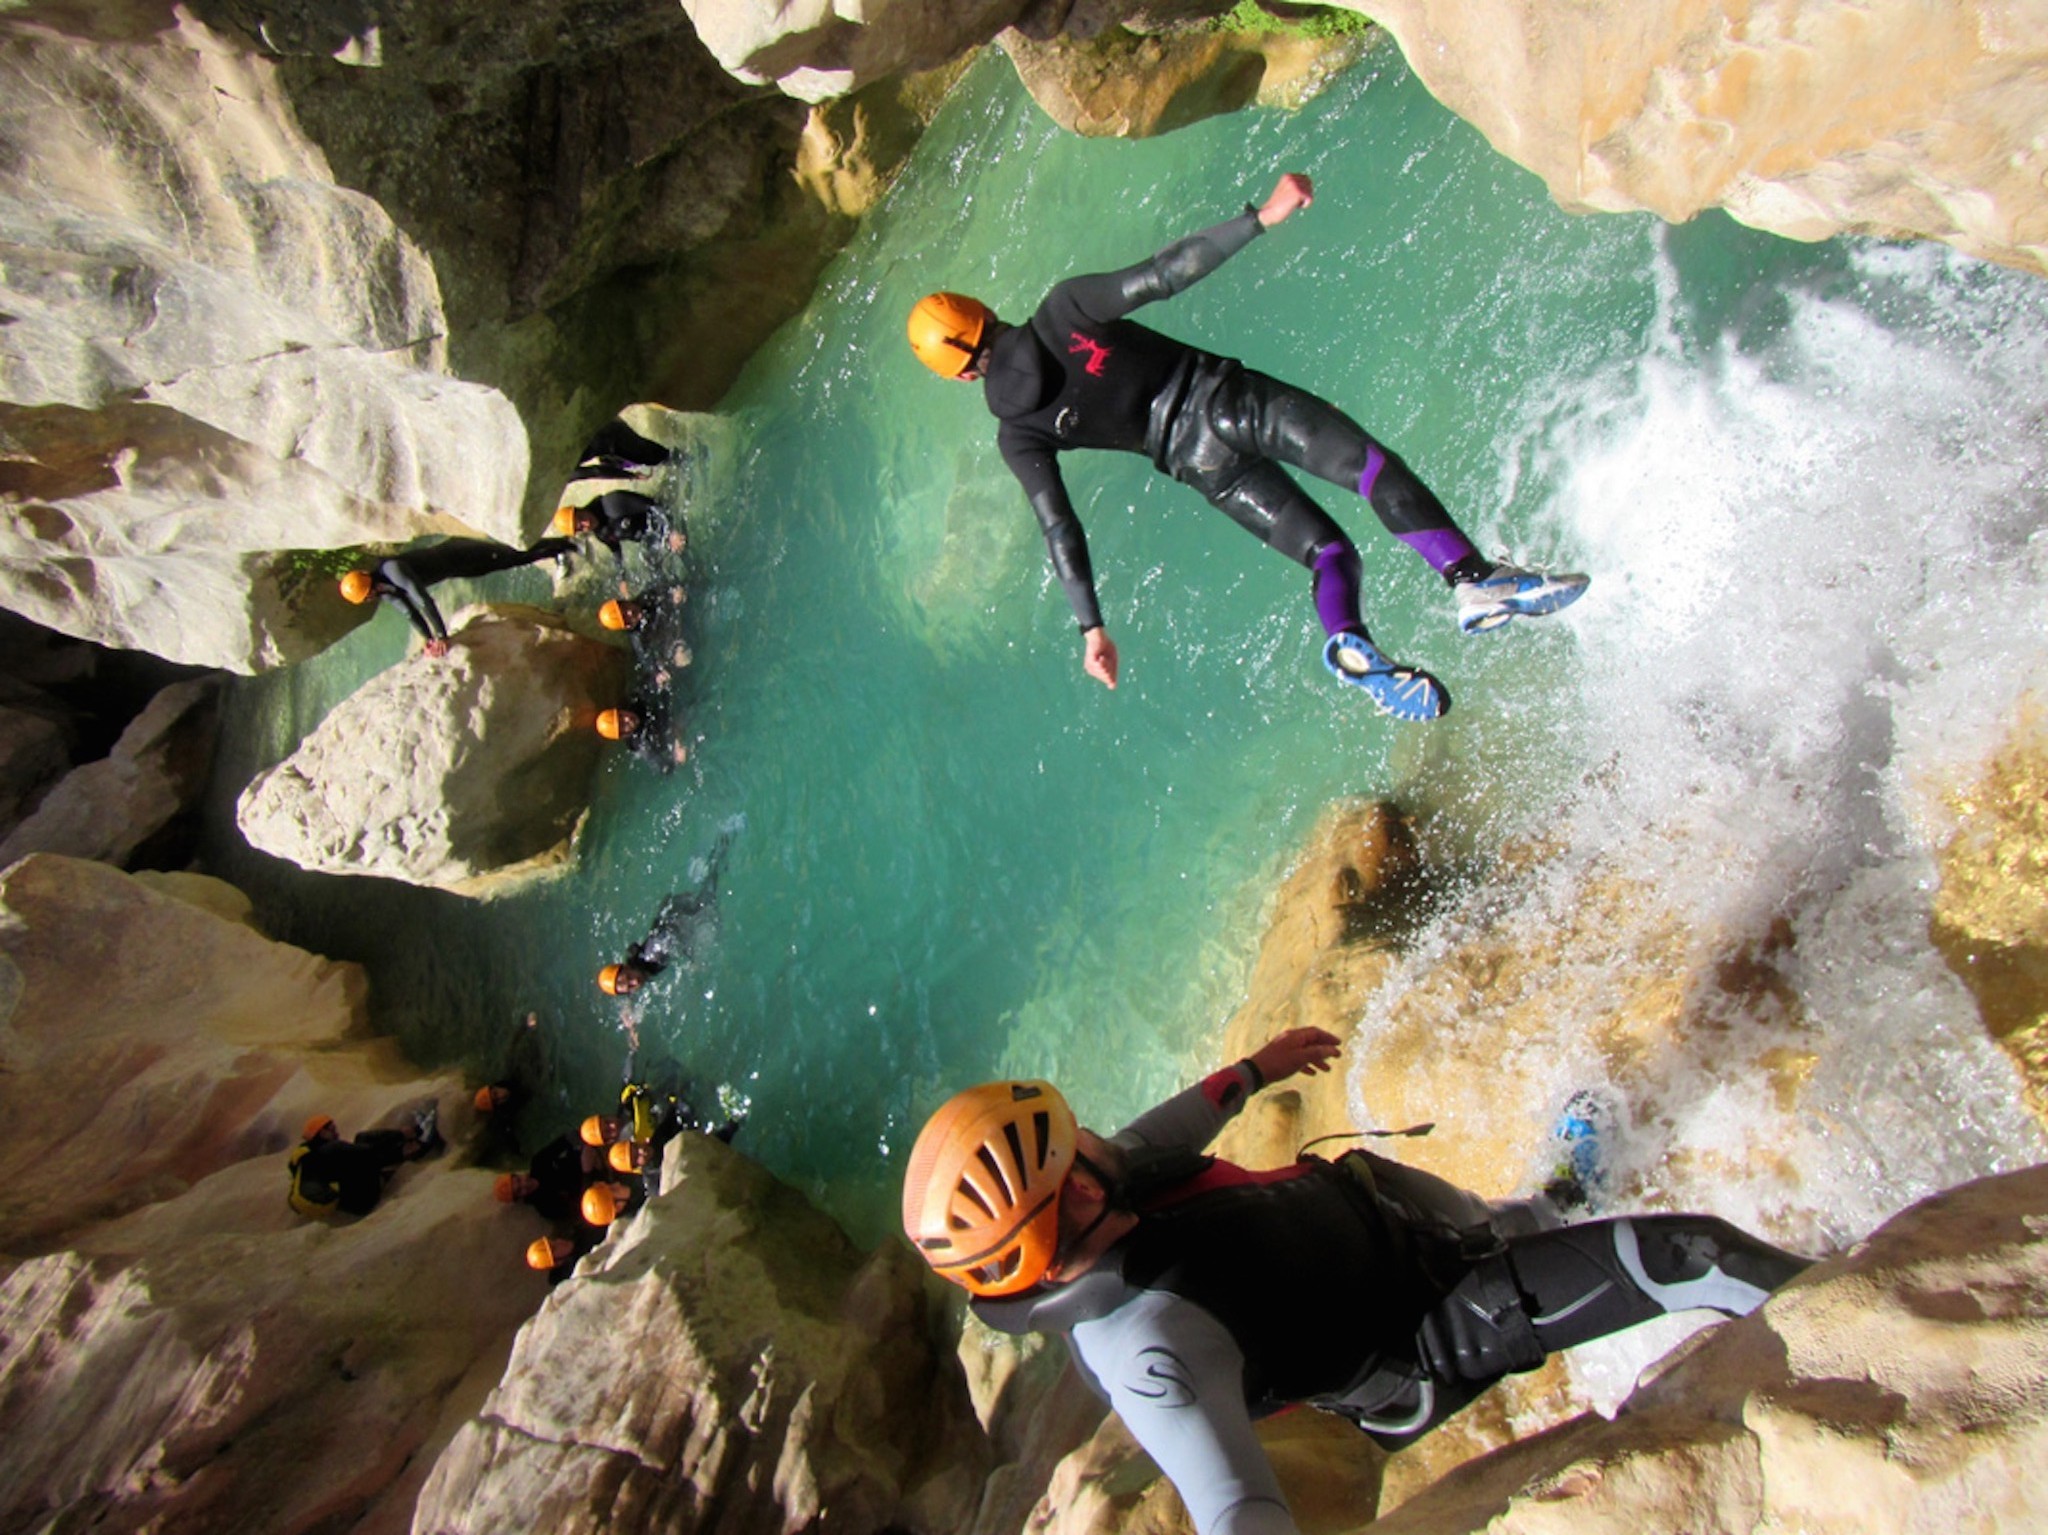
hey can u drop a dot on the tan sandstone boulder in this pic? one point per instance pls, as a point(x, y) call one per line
point(727, 1361)
point(468, 773)
point(1808, 118)
point(1991, 916)
point(1122, 84)
point(178, 1350)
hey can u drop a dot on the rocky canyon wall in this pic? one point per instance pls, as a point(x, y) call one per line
point(214, 353)
point(289, 279)
point(178, 1349)
point(1808, 118)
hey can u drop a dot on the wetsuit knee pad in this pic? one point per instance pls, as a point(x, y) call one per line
point(1684, 1262)
point(1481, 1330)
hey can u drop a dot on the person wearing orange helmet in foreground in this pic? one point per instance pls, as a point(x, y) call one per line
point(1079, 374)
point(403, 579)
point(1196, 1295)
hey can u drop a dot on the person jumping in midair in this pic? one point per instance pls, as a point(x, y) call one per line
point(1079, 374)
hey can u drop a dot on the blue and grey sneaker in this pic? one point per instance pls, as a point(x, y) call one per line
point(1511, 592)
point(1585, 1132)
point(1405, 692)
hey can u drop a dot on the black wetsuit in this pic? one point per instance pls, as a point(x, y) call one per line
point(616, 450)
point(1080, 375)
point(655, 741)
point(558, 1168)
point(623, 514)
point(355, 1170)
point(678, 926)
point(657, 641)
point(1368, 1289)
point(403, 579)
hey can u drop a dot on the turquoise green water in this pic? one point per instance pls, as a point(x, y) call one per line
point(956, 856)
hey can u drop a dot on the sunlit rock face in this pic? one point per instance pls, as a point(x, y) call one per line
point(466, 772)
point(213, 352)
point(726, 1362)
point(178, 1350)
point(1991, 917)
point(1808, 118)
point(1126, 85)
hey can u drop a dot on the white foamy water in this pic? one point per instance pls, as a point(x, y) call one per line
point(1820, 573)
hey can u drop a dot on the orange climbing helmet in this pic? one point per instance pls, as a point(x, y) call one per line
point(316, 1124)
point(981, 1195)
point(946, 331)
point(544, 1253)
point(592, 1130)
point(621, 1157)
point(608, 983)
point(506, 1189)
point(611, 615)
point(611, 723)
point(564, 525)
point(357, 586)
point(600, 1204)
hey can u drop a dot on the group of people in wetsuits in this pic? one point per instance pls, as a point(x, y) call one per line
point(643, 721)
point(573, 1185)
point(581, 1185)
point(1196, 1295)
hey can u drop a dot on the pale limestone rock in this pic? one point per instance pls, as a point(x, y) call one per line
point(1808, 118)
point(136, 1010)
point(1122, 85)
point(214, 353)
point(817, 49)
point(588, 175)
point(726, 1361)
point(110, 808)
point(467, 773)
point(177, 1349)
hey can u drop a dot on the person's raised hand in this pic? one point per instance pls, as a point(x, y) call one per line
point(1293, 193)
point(1307, 1051)
point(436, 648)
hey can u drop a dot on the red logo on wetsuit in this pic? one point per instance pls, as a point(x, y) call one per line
point(1098, 354)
